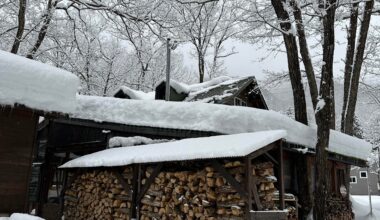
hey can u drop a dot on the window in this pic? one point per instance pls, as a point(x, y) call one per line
point(239, 102)
point(353, 179)
point(363, 174)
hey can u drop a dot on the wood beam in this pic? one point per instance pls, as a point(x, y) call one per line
point(262, 151)
point(219, 168)
point(281, 179)
point(248, 184)
point(149, 182)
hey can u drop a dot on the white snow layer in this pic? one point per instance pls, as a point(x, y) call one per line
point(210, 117)
point(361, 207)
point(184, 88)
point(132, 141)
point(20, 216)
point(236, 145)
point(135, 94)
point(36, 85)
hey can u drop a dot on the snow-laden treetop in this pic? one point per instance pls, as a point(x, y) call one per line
point(36, 85)
point(236, 145)
point(211, 117)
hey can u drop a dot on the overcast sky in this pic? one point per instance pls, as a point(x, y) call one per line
point(246, 61)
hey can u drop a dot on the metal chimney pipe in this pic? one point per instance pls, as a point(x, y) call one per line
point(167, 89)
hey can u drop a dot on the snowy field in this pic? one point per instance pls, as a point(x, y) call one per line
point(360, 205)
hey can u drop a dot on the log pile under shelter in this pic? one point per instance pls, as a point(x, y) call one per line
point(201, 193)
point(133, 183)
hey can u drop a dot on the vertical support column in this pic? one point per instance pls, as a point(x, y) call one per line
point(281, 179)
point(248, 185)
point(135, 189)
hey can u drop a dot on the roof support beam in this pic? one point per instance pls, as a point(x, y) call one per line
point(219, 168)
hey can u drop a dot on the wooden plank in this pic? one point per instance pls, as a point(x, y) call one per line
point(281, 179)
point(149, 182)
point(219, 168)
point(249, 183)
point(262, 151)
point(135, 183)
point(255, 194)
point(271, 158)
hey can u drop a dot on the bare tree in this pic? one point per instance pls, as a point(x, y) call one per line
point(20, 26)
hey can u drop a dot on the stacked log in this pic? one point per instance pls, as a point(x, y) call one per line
point(192, 193)
point(264, 175)
point(204, 194)
point(98, 195)
point(198, 194)
point(339, 208)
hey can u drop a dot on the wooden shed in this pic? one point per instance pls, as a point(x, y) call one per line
point(98, 118)
point(220, 177)
point(25, 95)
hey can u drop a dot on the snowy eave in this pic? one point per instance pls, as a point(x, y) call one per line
point(236, 145)
point(210, 117)
point(36, 85)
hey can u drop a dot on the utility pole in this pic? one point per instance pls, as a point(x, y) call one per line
point(168, 50)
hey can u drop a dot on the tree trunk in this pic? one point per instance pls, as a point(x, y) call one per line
point(352, 95)
point(293, 63)
point(305, 197)
point(324, 113)
point(42, 33)
point(21, 26)
point(350, 51)
point(201, 67)
point(304, 50)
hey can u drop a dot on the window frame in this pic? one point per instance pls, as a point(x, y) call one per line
point(355, 178)
point(360, 174)
point(239, 102)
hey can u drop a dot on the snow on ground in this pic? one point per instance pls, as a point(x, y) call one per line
point(36, 85)
point(236, 145)
point(210, 117)
point(360, 206)
point(20, 216)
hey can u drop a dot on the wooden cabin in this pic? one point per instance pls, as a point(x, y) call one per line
point(97, 119)
point(222, 90)
point(25, 95)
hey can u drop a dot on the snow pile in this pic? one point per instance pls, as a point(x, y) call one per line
point(20, 216)
point(210, 117)
point(133, 141)
point(36, 85)
point(236, 145)
point(135, 94)
point(361, 208)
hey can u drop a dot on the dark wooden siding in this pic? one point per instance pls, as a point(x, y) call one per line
point(17, 134)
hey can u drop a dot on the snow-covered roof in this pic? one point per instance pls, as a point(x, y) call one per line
point(219, 92)
point(36, 85)
point(210, 117)
point(135, 94)
point(237, 145)
point(180, 87)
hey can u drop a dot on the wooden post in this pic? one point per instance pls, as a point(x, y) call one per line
point(249, 183)
point(281, 179)
point(135, 183)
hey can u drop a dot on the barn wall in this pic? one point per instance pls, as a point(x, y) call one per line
point(17, 134)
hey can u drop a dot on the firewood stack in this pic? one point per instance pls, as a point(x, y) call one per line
point(338, 208)
point(98, 195)
point(204, 194)
point(192, 193)
point(264, 175)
